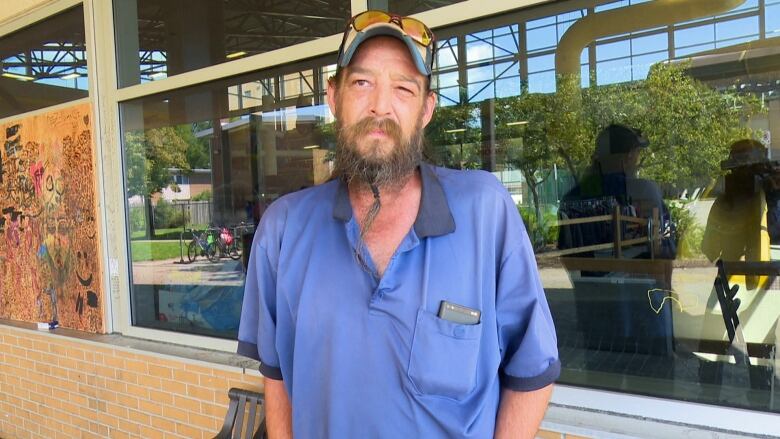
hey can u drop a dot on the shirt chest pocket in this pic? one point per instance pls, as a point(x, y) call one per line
point(443, 360)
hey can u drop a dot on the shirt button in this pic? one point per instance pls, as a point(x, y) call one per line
point(458, 331)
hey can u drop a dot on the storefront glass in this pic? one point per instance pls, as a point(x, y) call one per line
point(44, 64)
point(645, 176)
point(156, 40)
point(642, 155)
point(202, 164)
point(409, 7)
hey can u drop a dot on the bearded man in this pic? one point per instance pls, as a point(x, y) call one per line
point(398, 300)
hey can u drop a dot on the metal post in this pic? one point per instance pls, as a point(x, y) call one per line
point(181, 249)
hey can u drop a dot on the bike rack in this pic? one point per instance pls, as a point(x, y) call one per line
point(181, 250)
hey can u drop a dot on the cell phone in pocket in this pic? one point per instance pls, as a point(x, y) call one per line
point(458, 313)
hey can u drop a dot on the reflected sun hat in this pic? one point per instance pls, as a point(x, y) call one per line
point(414, 33)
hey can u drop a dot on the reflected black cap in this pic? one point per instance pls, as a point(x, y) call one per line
point(619, 139)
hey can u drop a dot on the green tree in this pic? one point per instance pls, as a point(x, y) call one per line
point(149, 156)
point(198, 153)
point(523, 133)
point(689, 124)
point(453, 137)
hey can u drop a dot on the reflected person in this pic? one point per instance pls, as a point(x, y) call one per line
point(611, 298)
point(736, 222)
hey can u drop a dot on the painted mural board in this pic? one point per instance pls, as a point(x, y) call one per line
point(50, 261)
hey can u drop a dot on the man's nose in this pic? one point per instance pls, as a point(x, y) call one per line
point(381, 101)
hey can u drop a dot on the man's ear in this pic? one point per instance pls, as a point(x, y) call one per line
point(331, 92)
point(429, 104)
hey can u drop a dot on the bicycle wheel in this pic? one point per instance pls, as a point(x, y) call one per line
point(238, 242)
point(193, 250)
point(212, 253)
point(233, 252)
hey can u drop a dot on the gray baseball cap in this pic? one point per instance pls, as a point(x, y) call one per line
point(422, 55)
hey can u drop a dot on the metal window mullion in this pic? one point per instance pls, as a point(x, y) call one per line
point(463, 77)
point(522, 49)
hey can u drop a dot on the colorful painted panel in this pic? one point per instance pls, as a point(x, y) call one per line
point(50, 263)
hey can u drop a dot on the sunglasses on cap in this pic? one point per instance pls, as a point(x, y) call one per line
point(418, 37)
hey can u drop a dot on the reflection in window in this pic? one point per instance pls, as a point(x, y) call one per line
point(738, 26)
point(629, 59)
point(772, 18)
point(409, 7)
point(647, 194)
point(202, 165)
point(44, 64)
point(156, 40)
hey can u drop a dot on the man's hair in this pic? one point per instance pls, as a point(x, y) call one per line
point(337, 78)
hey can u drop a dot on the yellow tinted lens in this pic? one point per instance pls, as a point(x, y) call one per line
point(368, 18)
point(417, 30)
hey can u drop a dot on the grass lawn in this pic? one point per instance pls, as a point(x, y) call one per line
point(167, 234)
point(156, 250)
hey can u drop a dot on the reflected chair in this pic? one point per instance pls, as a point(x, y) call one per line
point(760, 376)
point(242, 400)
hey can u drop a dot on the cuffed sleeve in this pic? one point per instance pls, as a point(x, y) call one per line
point(529, 346)
point(528, 384)
point(257, 329)
point(274, 373)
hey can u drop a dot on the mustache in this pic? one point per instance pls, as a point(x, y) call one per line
point(369, 124)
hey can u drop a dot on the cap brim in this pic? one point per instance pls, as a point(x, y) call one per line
point(387, 29)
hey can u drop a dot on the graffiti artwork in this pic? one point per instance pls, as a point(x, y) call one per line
point(50, 266)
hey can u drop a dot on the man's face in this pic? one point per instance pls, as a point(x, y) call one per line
point(381, 102)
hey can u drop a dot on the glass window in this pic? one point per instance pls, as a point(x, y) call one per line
point(409, 7)
point(161, 38)
point(650, 198)
point(44, 64)
point(772, 18)
point(202, 164)
point(650, 194)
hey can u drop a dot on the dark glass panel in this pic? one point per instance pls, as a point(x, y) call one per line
point(44, 64)
point(161, 38)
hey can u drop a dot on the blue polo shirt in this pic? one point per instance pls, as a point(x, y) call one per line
point(367, 357)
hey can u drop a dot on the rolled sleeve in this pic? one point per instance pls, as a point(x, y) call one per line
point(529, 346)
point(257, 328)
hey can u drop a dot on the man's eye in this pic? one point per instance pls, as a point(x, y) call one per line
point(361, 82)
point(406, 91)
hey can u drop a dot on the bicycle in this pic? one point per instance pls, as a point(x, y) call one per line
point(201, 245)
point(239, 230)
point(226, 244)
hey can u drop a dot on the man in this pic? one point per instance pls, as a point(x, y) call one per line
point(347, 279)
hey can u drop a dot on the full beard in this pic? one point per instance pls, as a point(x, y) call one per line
point(372, 167)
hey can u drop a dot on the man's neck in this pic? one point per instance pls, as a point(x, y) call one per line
point(361, 194)
point(396, 216)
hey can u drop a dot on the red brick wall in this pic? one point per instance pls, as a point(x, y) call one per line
point(54, 386)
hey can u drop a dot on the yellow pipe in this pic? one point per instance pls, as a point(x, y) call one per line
point(630, 19)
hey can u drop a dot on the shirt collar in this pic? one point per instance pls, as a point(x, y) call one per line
point(434, 217)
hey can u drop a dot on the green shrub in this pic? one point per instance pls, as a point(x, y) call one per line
point(163, 211)
point(203, 196)
point(688, 232)
point(137, 219)
point(544, 234)
point(179, 218)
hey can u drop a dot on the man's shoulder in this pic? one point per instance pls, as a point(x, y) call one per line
point(301, 204)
